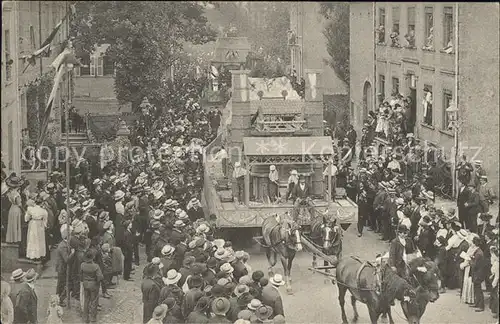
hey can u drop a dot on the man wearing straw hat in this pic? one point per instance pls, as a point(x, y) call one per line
point(25, 310)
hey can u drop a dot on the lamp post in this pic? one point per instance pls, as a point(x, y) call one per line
point(452, 112)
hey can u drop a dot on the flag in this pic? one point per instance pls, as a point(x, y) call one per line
point(66, 57)
point(45, 46)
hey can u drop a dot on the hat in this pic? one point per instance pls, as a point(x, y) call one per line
point(203, 228)
point(277, 280)
point(188, 261)
point(160, 311)
point(179, 223)
point(294, 172)
point(478, 162)
point(168, 203)
point(254, 304)
point(158, 214)
point(183, 216)
point(264, 312)
point(239, 254)
point(237, 164)
point(245, 280)
point(17, 274)
point(220, 306)
point(410, 135)
point(167, 249)
point(14, 181)
point(192, 244)
point(221, 254)
point(257, 275)
point(485, 216)
point(87, 204)
point(195, 282)
point(222, 282)
point(104, 214)
point(219, 243)
point(217, 291)
point(462, 234)
point(97, 182)
point(429, 194)
point(226, 268)
point(30, 275)
point(243, 299)
point(244, 315)
point(241, 289)
point(119, 195)
point(279, 319)
point(172, 277)
point(400, 201)
point(107, 224)
point(106, 247)
point(272, 167)
point(157, 194)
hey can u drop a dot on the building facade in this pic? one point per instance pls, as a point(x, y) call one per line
point(95, 84)
point(444, 48)
point(25, 26)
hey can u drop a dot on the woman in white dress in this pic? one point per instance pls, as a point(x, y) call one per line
point(37, 218)
point(467, 296)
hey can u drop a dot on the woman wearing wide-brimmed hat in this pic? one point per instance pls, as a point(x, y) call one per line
point(13, 234)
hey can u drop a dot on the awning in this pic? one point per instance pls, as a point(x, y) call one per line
point(302, 146)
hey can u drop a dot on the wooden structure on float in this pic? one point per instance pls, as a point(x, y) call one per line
point(289, 136)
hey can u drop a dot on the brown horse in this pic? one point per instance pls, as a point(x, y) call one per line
point(327, 234)
point(378, 288)
point(281, 236)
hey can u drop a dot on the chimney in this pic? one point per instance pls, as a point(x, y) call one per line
point(240, 86)
point(314, 90)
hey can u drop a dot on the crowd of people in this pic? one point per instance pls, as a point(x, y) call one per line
point(191, 276)
point(400, 206)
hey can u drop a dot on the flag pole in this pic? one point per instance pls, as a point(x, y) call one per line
point(67, 158)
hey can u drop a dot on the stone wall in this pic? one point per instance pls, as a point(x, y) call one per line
point(479, 84)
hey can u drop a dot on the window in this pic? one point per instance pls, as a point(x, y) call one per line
point(448, 27)
point(32, 37)
point(395, 26)
point(410, 35)
point(381, 24)
point(108, 66)
point(447, 100)
point(429, 28)
point(381, 87)
point(10, 131)
point(395, 85)
point(427, 104)
point(92, 65)
point(100, 61)
point(84, 69)
point(8, 65)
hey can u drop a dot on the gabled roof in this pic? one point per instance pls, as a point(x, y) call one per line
point(296, 146)
point(231, 50)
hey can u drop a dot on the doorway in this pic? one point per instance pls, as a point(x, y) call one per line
point(413, 110)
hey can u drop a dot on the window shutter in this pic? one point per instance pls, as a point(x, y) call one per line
point(100, 62)
point(92, 65)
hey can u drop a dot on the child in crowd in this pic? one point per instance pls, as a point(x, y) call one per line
point(55, 311)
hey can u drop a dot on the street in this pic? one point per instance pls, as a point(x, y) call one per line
point(314, 299)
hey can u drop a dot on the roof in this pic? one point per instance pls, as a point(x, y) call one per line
point(312, 145)
point(272, 88)
point(277, 106)
point(231, 50)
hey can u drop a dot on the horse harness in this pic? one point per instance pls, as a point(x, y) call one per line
point(365, 264)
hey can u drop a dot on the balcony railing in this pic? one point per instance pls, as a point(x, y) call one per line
point(280, 126)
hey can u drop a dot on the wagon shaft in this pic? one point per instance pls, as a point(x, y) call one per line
point(314, 250)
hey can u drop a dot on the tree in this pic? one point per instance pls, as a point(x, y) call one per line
point(337, 37)
point(145, 39)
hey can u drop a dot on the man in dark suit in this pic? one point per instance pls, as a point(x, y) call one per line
point(462, 198)
point(271, 295)
point(301, 195)
point(397, 250)
point(150, 292)
point(25, 311)
point(479, 269)
point(128, 250)
point(91, 221)
point(473, 209)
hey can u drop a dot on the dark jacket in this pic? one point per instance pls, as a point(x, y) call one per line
point(396, 251)
point(217, 319)
point(91, 275)
point(150, 295)
point(239, 270)
point(297, 192)
point(271, 297)
point(62, 256)
point(25, 310)
point(462, 198)
point(197, 317)
point(93, 228)
point(478, 266)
